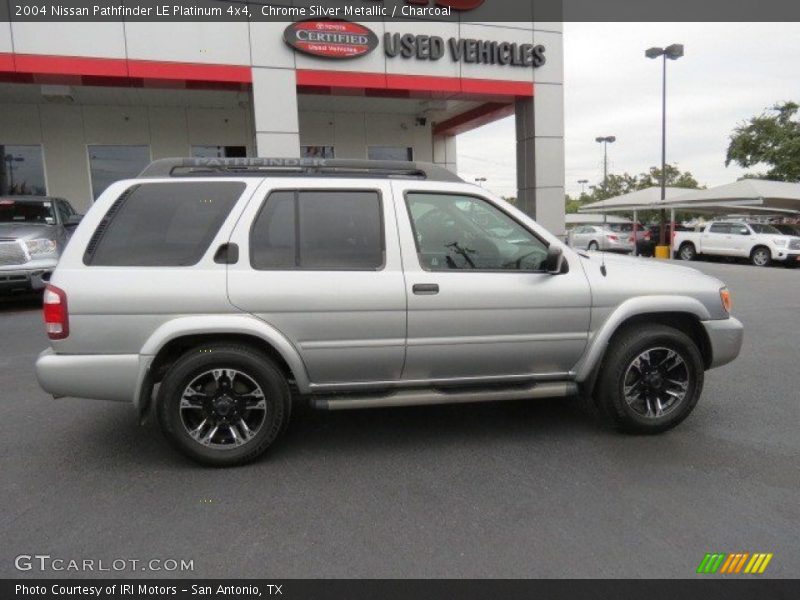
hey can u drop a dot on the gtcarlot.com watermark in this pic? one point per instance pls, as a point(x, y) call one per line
point(47, 563)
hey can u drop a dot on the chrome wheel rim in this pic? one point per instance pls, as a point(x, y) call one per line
point(686, 253)
point(656, 382)
point(760, 258)
point(223, 409)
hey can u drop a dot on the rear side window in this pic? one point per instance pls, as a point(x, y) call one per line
point(320, 230)
point(720, 228)
point(162, 224)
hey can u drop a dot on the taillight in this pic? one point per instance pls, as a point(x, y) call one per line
point(630, 239)
point(647, 236)
point(56, 315)
point(613, 238)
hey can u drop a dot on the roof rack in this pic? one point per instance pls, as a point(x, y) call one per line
point(297, 167)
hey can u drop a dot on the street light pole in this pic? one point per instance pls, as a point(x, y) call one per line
point(583, 183)
point(480, 180)
point(672, 52)
point(605, 140)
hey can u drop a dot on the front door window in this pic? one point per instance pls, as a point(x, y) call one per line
point(455, 232)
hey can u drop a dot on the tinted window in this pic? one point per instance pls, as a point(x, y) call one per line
point(26, 211)
point(318, 230)
point(317, 152)
point(272, 240)
point(464, 232)
point(720, 228)
point(390, 153)
point(162, 224)
point(219, 151)
point(63, 211)
point(108, 164)
point(21, 171)
point(761, 228)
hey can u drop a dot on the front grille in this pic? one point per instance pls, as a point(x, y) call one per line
point(794, 244)
point(11, 253)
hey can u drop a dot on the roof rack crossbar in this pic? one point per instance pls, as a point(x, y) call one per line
point(195, 167)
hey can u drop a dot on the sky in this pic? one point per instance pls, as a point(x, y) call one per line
point(730, 72)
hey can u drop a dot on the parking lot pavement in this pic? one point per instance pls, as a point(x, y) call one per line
point(524, 489)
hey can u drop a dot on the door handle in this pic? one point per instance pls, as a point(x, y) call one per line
point(227, 254)
point(425, 289)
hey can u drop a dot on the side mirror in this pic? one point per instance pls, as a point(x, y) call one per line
point(73, 220)
point(554, 261)
point(744, 231)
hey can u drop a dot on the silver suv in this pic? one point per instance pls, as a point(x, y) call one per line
point(219, 291)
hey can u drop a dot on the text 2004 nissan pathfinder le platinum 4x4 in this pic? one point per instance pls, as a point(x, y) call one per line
point(226, 288)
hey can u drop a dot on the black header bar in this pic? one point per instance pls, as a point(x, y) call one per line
point(482, 11)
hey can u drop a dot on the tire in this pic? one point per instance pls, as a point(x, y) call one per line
point(687, 251)
point(223, 404)
point(593, 246)
point(641, 415)
point(760, 256)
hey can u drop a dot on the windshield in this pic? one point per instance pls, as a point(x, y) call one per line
point(15, 211)
point(761, 228)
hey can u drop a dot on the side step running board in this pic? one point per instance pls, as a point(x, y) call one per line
point(533, 391)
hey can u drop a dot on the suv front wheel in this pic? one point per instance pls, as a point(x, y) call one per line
point(651, 379)
point(223, 404)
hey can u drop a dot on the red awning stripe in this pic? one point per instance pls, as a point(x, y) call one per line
point(121, 68)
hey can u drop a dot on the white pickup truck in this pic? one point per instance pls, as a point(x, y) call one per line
point(759, 243)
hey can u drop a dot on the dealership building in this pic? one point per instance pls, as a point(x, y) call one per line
point(85, 103)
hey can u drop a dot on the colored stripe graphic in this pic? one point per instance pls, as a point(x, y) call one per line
point(710, 563)
point(723, 563)
point(758, 564)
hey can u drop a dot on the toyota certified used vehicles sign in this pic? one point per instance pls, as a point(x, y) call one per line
point(331, 39)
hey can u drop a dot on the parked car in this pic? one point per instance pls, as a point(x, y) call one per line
point(237, 286)
point(759, 243)
point(599, 237)
point(646, 244)
point(33, 233)
point(788, 229)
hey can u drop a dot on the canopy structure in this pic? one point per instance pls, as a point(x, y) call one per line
point(749, 195)
point(646, 199)
point(593, 219)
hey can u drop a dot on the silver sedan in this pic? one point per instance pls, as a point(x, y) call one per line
point(597, 237)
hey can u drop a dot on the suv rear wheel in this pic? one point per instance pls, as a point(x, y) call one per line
point(223, 404)
point(651, 379)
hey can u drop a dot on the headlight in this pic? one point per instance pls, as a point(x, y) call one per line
point(725, 296)
point(41, 248)
point(780, 243)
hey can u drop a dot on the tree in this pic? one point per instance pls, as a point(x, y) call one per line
point(674, 178)
point(772, 139)
point(615, 185)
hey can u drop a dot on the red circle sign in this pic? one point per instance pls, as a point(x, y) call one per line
point(331, 39)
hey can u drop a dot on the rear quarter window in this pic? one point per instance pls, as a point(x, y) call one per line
point(162, 224)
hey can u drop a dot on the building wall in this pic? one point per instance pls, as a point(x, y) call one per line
point(66, 130)
point(278, 127)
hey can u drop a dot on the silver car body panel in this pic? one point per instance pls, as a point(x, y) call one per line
point(490, 323)
point(344, 331)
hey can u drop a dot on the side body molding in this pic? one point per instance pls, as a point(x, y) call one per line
point(242, 324)
point(641, 305)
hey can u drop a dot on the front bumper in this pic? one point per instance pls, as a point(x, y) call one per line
point(725, 336)
point(34, 275)
point(97, 376)
point(24, 279)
